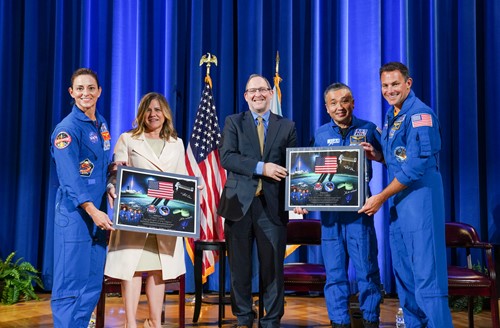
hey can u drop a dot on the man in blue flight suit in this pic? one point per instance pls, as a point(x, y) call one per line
point(411, 142)
point(80, 148)
point(348, 235)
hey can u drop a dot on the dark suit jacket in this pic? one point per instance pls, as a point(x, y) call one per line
point(240, 153)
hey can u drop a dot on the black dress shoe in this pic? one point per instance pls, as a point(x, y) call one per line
point(341, 325)
point(370, 324)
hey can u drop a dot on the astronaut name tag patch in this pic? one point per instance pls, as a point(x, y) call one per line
point(62, 140)
point(334, 141)
point(419, 120)
point(86, 168)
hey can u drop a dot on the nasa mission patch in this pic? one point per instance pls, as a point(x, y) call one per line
point(62, 140)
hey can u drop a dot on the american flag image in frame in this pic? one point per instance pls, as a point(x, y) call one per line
point(326, 178)
point(156, 202)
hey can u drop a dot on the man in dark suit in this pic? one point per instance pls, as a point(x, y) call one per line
point(253, 201)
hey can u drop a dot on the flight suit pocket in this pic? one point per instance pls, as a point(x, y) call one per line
point(76, 260)
point(425, 144)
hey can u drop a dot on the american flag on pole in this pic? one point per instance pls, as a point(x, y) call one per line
point(203, 161)
point(160, 189)
point(327, 164)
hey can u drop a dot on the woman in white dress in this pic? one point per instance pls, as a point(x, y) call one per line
point(151, 144)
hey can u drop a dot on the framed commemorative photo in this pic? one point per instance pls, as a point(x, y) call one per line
point(326, 178)
point(156, 202)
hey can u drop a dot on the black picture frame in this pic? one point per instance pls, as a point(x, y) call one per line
point(156, 202)
point(326, 178)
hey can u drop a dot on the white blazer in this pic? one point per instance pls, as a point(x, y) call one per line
point(125, 247)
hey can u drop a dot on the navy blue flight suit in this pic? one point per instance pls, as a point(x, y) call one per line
point(349, 235)
point(81, 151)
point(411, 142)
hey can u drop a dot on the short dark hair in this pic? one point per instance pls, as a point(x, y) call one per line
point(395, 66)
point(258, 75)
point(84, 71)
point(336, 86)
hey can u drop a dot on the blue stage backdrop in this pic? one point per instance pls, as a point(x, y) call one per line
point(138, 46)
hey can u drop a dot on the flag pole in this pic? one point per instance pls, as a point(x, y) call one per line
point(276, 100)
point(277, 77)
point(277, 106)
point(203, 161)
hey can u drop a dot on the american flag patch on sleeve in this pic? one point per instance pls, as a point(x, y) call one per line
point(419, 120)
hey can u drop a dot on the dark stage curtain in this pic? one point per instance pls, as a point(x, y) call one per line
point(137, 46)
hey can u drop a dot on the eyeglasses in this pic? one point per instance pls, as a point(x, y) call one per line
point(254, 90)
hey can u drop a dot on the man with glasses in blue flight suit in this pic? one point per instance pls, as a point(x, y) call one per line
point(348, 235)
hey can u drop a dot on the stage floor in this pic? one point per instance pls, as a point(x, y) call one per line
point(300, 312)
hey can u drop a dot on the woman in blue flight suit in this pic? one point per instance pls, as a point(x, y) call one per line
point(411, 142)
point(80, 148)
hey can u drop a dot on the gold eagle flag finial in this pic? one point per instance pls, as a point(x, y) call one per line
point(208, 59)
